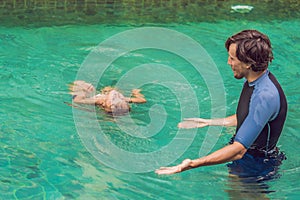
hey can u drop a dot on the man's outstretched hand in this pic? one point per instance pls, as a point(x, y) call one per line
point(193, 123)
point(175, 169)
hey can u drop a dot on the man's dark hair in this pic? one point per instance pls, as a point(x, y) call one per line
point(253, 48)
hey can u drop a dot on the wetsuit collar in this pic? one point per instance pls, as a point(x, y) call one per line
point(266, 73)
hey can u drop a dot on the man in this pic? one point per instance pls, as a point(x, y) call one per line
point(259, 117)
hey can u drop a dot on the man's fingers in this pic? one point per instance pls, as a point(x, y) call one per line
point(188, 124)
point(167, 170)
point(195, 119)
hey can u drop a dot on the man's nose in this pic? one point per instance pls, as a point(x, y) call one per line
point(228, 61)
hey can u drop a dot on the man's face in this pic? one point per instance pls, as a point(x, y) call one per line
point(240, 69)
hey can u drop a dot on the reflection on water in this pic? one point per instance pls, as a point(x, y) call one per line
point(247, 188)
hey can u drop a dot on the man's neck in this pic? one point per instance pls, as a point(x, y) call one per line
point(254, 75)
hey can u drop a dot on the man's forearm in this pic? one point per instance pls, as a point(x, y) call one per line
point(228, 153)
point(228, 121)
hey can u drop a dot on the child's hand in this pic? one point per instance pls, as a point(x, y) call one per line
point(136, 92)
point(81, 86)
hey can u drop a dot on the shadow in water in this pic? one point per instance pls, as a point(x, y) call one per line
point(247, 188)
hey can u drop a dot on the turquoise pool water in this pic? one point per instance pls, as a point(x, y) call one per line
point(42, 154)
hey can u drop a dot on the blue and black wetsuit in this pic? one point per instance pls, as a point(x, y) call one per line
point(261, 114)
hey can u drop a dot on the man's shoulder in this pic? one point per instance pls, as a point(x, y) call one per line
point(266, 91)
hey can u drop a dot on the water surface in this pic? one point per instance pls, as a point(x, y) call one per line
point(42, 156)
